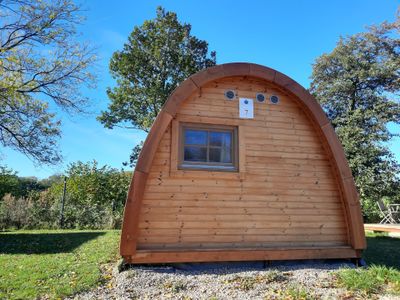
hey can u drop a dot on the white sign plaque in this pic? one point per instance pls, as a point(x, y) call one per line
point(246, 108)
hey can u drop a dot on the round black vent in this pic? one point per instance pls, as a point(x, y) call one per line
point(274, 99)
point(260, 97)
point(229, 94)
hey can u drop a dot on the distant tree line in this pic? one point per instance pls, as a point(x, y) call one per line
point(95, 198)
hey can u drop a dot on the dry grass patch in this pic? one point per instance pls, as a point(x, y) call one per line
point(246, 283)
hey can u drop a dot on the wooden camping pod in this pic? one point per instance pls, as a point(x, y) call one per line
point(288, 195)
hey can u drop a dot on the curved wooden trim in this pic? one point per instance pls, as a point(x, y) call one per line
point(193, 84)
point(131, 213)
point(153, 139)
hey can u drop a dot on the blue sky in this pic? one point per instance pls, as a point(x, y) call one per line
point(285, 35)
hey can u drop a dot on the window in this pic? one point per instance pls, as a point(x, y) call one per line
point(208, 147)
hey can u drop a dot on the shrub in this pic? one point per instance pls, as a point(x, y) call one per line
point(14, 212)
point(95, 198)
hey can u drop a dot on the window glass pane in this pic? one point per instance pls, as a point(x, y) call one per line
point(220, 155)
point(226, 155)
point(195, 154)
point(215, 155)
point(195, 137)
point(220, 139)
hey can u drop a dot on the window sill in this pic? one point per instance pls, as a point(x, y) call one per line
point(209, 174)
point(207, 168)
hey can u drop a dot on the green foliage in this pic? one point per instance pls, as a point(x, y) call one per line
point(27, 185)
point(47, 182)
point(95, 195)
point(38, 210)
point(134, 155)
point(14, 212)
point(17, 186)
point(40, 61)
point(356, 85)
point(95, 198)
point(53, 264)
point(8, 181)
point(24, 202)
point(159, 55)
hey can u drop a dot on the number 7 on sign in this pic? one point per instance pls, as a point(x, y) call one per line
point(246, 109)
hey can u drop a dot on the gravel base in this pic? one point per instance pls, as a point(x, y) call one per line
point(305, 280)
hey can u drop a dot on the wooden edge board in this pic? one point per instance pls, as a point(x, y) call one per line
point(382, 227)
point(171, 256)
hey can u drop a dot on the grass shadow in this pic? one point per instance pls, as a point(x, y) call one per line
point(383, 250)
point(44, 243)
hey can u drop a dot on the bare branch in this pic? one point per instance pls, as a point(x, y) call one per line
point(40, 59)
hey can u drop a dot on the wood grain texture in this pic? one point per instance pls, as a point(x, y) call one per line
point(130, 227)
point(151, 144)
point(249, 254)
point(242, 216)
point(382, 227)
point(293, 188)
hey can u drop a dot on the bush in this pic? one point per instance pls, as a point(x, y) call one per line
point(34, 211)
point(14, 212)
point(95, 198)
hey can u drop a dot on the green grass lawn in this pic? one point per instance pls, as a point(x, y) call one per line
point(383, 272)
point(382, 250)
point(53, 263)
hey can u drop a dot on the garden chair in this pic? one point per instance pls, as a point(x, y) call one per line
point(390, 213)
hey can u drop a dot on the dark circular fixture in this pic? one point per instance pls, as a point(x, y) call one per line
point(274, 99)
point(229, 94)
point(260, 97)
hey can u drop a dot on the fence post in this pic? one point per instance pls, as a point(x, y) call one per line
point(62, 203)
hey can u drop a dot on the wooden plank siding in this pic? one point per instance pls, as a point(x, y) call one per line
point(284, 195)
point(291, 194)
point(191, 255)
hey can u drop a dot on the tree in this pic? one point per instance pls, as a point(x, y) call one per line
point(28, 185)
point(357, 85)
point(41, 62)
point(159, 55)
point(52, 179)
point(23, 187)
point(95, 195)
point(8, 181)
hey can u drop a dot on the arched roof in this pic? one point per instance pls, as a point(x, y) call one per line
point(306, 101)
